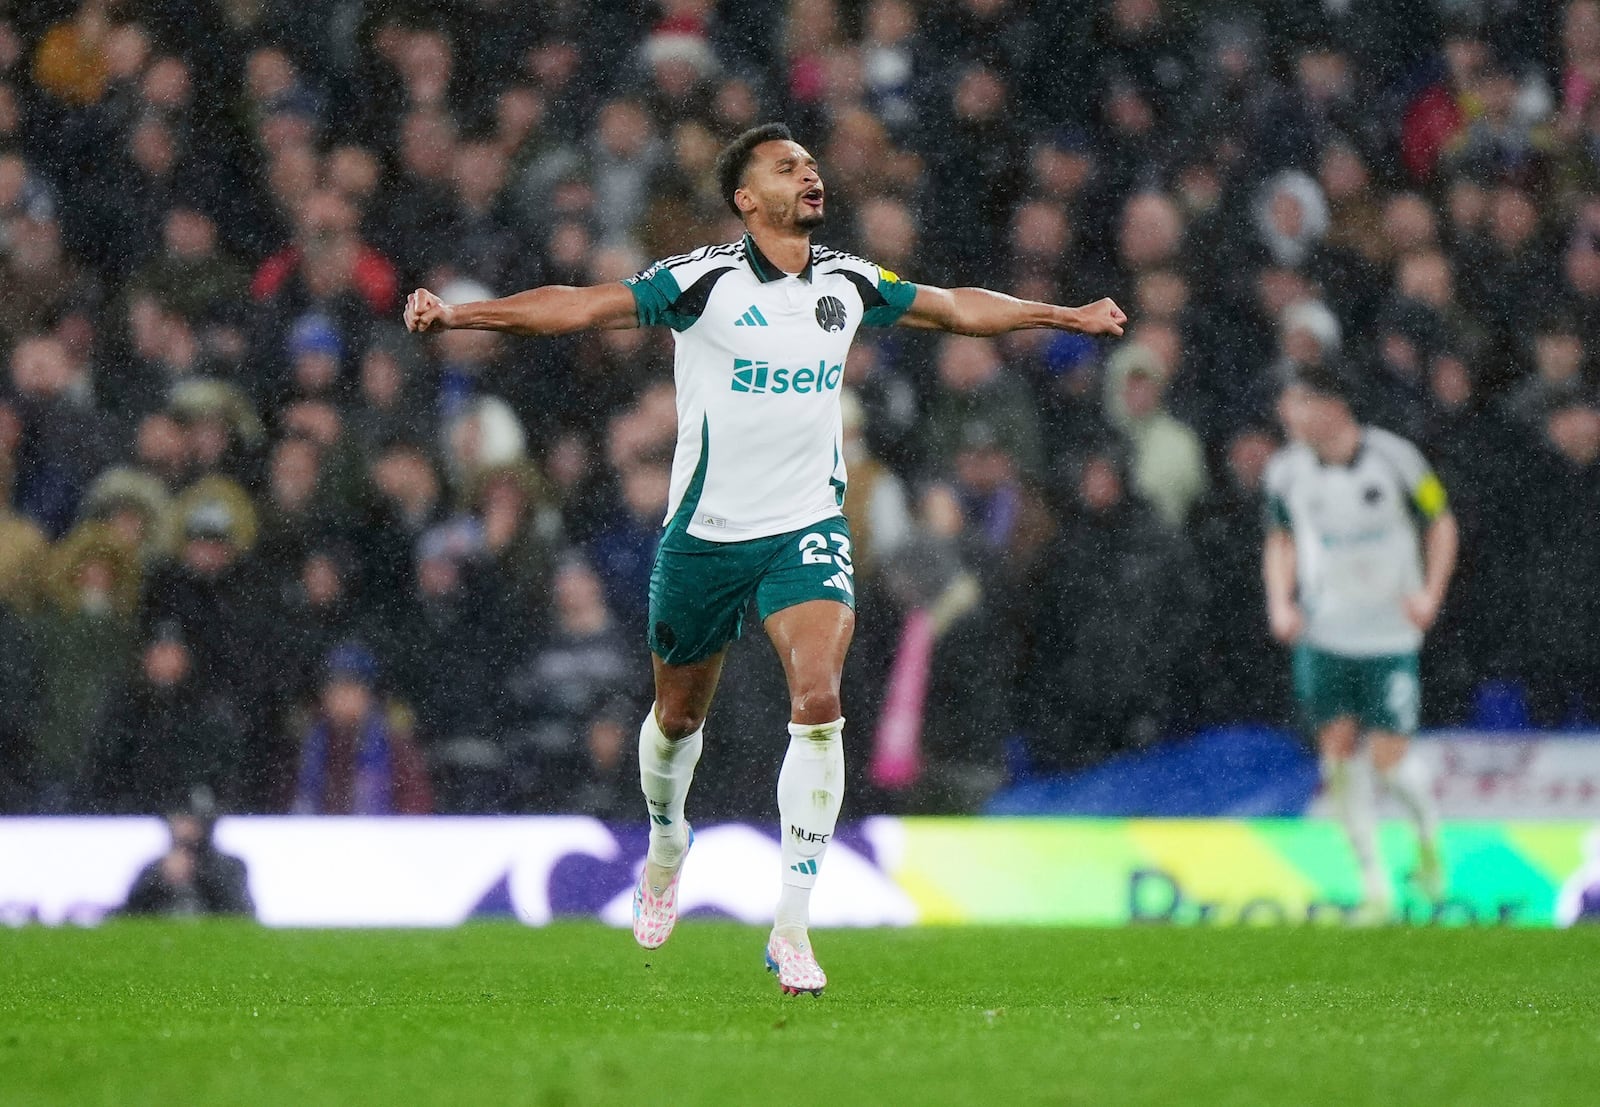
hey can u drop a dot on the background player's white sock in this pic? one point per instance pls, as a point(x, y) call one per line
point(1350, 787)
point(666, 769)
point(810, 792)
point(1408, 783)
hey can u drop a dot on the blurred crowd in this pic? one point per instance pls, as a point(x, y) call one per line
point(258, 543)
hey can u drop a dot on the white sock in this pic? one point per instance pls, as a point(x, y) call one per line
point(1350, 787)
point(810, 792)
point(666, 769)
point(1408, 783)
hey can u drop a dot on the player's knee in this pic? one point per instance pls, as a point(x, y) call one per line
point(815, 706)
point(1388, 750)
point(678, 723)
point(1338, 739)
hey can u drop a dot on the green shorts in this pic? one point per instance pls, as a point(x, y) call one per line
point(1380, 693)
point(699, 590)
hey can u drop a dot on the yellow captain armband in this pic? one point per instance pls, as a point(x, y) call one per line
point(1430, 498)
point(888, 274)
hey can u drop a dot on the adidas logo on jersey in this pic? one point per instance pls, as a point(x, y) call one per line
point(761, 378)
point(751, 318)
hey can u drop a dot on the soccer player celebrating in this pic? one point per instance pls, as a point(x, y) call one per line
point(1359, 550)
point(761, 328)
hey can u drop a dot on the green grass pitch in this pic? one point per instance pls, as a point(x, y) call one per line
point(224, 1013)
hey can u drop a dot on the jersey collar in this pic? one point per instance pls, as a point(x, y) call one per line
point(1355, 458)
point(764, 270)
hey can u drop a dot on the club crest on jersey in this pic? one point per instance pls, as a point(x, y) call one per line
point(762, 378)
point(830, 313)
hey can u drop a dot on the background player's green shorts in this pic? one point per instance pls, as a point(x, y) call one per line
point(1380, 693)
point(699, 589)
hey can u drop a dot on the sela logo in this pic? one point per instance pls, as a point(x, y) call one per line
point(808, 836)
point(760, 378)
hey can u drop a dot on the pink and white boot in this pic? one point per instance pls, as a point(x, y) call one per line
point(796, 967)
point(656, 913)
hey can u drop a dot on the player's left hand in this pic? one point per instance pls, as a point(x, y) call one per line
point(1102, 317)
point(1421, 609)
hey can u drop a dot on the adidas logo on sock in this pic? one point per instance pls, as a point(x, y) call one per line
point(808, 867)
point(841, 581)
point(661, 820)
point(752, 318)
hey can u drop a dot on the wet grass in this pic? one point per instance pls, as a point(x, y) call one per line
point(220, 1013)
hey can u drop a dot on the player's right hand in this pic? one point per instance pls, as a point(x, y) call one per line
point(1103, 317)
point(425, 312)
point(1287, 621)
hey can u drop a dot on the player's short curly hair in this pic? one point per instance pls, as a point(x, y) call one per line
point(735, 157)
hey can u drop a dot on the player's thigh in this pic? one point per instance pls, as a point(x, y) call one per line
point(1390, 694)
point(698, 593)
point(1323, 694)
point(812, 639)
point(806, 600)
point(813, 563)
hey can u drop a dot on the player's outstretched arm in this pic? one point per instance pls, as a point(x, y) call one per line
point(551, 310)
point(978, 311)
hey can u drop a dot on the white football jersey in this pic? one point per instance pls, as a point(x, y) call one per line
point(1357, 535)
point(759, 363)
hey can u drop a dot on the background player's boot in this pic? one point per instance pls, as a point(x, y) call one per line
point(796, 967)
point(1430, 869)
point(655, 900)
point(1377, 908)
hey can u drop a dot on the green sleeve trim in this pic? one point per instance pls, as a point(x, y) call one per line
point(655, 291)
point(896, 295)
point(1278, 514)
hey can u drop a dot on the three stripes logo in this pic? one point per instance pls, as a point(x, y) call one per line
point(661, 820)
point(752, 318)
point(808, 867)
point(841, 581)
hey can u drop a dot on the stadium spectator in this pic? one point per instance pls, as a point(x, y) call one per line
point(454, 636)
point(880, 518)
point(976, 385)
point(565, 699)
point(162, 737)
point(353, 759)
point(83, 635)
point(1167, 465)
point(936, 576)
point(1558, 370)
point(1561, 544)
point(1244, 681)
point(1113, 624)
point(205, 224)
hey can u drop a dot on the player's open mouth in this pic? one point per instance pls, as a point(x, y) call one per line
point(814, 197)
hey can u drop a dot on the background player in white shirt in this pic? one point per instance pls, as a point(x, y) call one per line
point(1359, 551)
point(761, 327)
